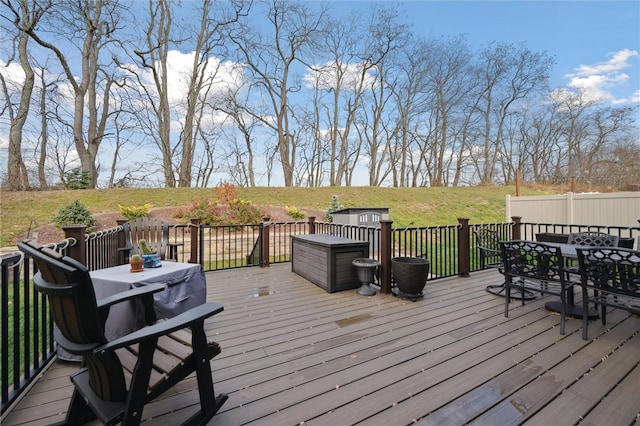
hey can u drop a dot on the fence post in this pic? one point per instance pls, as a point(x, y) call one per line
point(516, 231)
point(312, 224)
point(464, 247)
point(385, 256)
point(195, 232)
point(78, 251)
point(264, 242)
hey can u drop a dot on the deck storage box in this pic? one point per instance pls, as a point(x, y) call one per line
point(327, 260)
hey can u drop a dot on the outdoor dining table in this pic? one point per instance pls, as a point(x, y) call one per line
point(569, 252)
point(185, 289)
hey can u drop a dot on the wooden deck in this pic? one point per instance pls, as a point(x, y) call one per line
point(293, 354)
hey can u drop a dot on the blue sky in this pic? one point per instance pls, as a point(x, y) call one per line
point(576, 33)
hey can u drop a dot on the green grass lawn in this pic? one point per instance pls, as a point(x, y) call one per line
point(26, 210)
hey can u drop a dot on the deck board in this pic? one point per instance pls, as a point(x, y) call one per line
point(619, 405)
point(576, 400)
point(293, 353)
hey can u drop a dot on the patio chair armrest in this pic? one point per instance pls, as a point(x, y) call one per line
point(489, 250)
point(186, 319)
point(71, 347)
point(130, 294)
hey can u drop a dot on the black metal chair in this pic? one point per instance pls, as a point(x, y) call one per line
point(589, 239)
point(118, 378)
point(489, 248)
point(535, 267)
point(610, 277)
point(593, 239)
point(488, 245)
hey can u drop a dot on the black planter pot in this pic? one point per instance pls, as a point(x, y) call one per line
point(410, 275)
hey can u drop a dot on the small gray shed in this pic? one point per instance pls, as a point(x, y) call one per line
point(361, 216)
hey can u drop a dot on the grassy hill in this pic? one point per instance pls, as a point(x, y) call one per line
point(22, 211)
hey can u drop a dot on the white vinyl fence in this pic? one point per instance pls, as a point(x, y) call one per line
point(610, 209)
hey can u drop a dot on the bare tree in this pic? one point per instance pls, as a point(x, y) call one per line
point(25, 16)
point(270, 51)
point(409, 99)
point(209, 37)
point(450, 86)
point(386, 37)
point(507, 74)
point(339, 85)
point(619, 166)
point(153, 57)
point(607, 126)
point(282, 85)
point(240, 155)
point(96, 23)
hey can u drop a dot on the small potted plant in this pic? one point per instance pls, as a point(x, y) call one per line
point(136, 262)
point(149, 255)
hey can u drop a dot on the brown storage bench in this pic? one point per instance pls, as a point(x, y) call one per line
point(326, 260)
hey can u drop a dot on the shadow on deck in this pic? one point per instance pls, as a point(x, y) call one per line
point(293, 354)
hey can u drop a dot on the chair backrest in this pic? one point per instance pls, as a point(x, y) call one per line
point(593, 239)
point(532, 260)
point(155, 232)
point(612, 271)
point(79, 324)
point(487, 243)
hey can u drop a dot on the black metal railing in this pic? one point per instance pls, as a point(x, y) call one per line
point(279, 244)
point(225, 247)
point(27, 342)
point(438, 244)
point(354, 232)
point(102, 249)
point(27, 329)
point(504, 231)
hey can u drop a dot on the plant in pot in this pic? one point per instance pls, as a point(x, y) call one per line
point(410, 275)
point(149, 255)
point(136, 262)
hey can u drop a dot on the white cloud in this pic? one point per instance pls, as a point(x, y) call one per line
point(596, 82)
point(633, 99)
point(326, 76)
point(12, 73)
point(618, 61)
point(220, 79)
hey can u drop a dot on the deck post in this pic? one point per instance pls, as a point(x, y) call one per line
point(78, 251)
point(312, 224)
point(264, 242)
point(464, 247)
point(195, 232)
point(516, 231)
point(385, 256)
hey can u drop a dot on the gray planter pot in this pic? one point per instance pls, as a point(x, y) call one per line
point(410, 275)
point(366, 270)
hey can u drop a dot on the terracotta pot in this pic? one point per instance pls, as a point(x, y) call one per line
point(410, 275)
point(136, 265)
